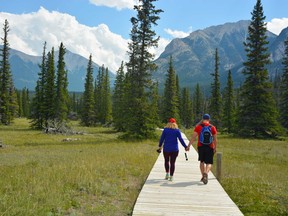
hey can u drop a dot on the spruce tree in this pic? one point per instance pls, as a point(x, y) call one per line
point(119, 99)
point(215, 107)
point(258, 114)
point(276, 87)
point(8, 97)
point(88, 109)
point(170, 99)
point(229, 105)
point(106, 99)
point(140, 123)
point(19, 102)
point(38, 106)
point(198, 104)
point(186, 110)
point(284, 89)
point(62, 97)
point(154, 108)
point(25, 102)
point(49, 89)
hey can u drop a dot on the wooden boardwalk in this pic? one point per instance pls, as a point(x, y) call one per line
point(186, 195)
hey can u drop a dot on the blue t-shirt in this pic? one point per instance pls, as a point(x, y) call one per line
point(170, 138)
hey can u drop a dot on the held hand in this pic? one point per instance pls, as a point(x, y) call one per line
point(187, 148)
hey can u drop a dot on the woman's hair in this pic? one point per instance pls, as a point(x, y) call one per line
point(171, 125)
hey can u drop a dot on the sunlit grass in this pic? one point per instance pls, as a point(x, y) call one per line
point(96, 174)
point(255, 174)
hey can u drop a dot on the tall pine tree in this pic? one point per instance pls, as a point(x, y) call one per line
point(88, 111)
point(38, 106)
point(229, 105)
point(119, 99)
point(8, 97)
point(284, 89)
point(186, 110)
point(106, 99)
point(140, 123)
point(62, 96)
point(258, 114)
point(49, 89)
point(198, 104)
point(170, 99)
point(215, 107)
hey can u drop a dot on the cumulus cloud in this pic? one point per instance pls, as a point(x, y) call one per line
point(28, 32)
point(118, 4)
point(178, 34)
point(277, 25)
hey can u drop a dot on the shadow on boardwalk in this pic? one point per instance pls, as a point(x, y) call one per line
point(186, 195)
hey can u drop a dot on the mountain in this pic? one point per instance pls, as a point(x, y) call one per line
point(193, 59)
point(194, 56)
point(25, 70)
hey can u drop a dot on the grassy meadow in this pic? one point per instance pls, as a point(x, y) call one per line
point(254, 174)
point(97, 174)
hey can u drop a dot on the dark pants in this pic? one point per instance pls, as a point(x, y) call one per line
point(170, 157)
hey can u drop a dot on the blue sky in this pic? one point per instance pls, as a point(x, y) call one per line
point(104, 25)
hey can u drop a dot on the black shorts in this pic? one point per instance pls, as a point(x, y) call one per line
point(205, 154)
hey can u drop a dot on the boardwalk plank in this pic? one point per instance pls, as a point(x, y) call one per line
point(186, 195)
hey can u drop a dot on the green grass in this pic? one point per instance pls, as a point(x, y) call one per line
point(254, 174)
point(94, 175)
point(97, 174)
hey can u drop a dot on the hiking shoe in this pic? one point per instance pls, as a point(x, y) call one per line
point(205, 178)
point(167, 176)
point(171, 178)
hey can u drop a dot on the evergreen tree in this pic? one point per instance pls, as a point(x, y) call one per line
point(98, 95)
point(25, 102)
point(38, 106)
point(178, 93)
point(62, 96)
point(106, 99)
point(8, 97)
point(198, 104)
point(98, 92)
point(229, 105)
point(258, 114)
point(140, 123)
point(186, 110)
point(284, 89)
point(154, 110)
point(88, 108)
point(170, 99)
point(119, 100)
point(215, 107)
point(19, 102)
point(277, 88)
point(49, 89)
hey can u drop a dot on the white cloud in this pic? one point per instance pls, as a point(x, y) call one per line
point(178, 34)
point(277, 25)
point(119, 4)
point(28, 32)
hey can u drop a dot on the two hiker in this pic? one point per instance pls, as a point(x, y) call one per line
point(207, 142)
